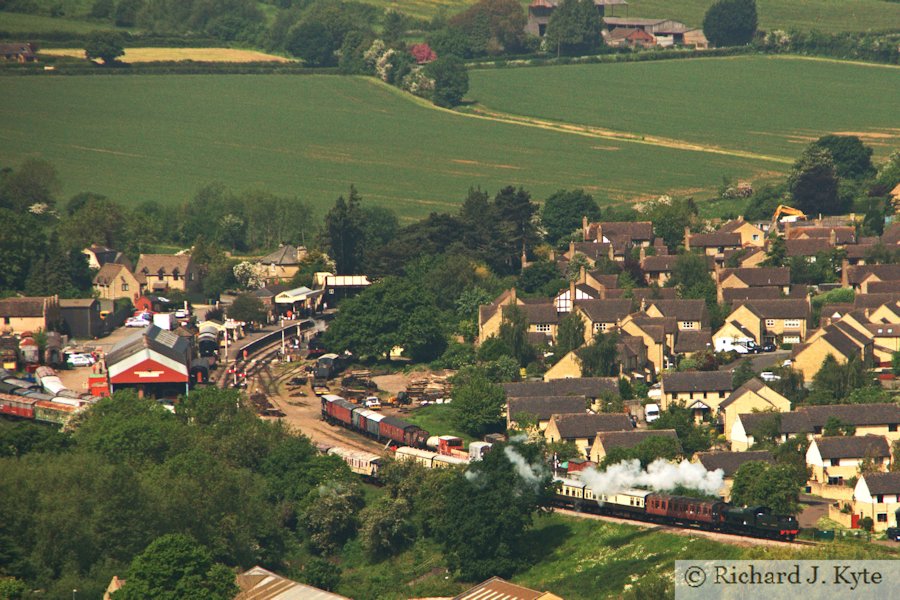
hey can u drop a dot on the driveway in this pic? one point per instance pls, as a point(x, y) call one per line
point(761, 362)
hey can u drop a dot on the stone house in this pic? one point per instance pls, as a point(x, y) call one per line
point(608, 440)
point(700, 391)
point(114, 281)
point(730, 462)
point(159, 272)
point(29, 313)
point(753, 396)
point(542, 408)
point(581, 429)
point(877, 496)
point(832, 460)
point(779, 277)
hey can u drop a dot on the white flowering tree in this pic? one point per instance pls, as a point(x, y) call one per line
point(251, 276)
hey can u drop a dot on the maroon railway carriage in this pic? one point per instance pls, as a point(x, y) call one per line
point(685, 510)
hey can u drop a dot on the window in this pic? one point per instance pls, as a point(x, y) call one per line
point(835, 481)
point(6, 320)
point(542, 327)
point(835, 462)
point(124, 287)
point(792, 324)
point(881, 517)
point(597, 327)
point(755, 237)
point(688, 324)
point(892, 427)
point(770, 322)
point(879, 498)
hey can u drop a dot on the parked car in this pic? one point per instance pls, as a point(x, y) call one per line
point(893, 533)
point(770, 347)
point(651, 412)
point(136, 322)
point(182, 313)
point(373, 403)
point(80, 360)
point(769, 376)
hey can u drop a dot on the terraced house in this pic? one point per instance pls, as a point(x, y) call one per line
point(581, 429)
point(833, 460)
point(776, 321)
point(700, 391)
point(159, 272)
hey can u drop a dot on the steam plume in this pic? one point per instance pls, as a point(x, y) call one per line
point(660, 475)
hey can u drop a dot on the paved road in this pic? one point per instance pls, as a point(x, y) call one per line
point(761, 362)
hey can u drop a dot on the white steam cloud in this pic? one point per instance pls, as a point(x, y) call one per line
point(531, 474)
point(660, 475)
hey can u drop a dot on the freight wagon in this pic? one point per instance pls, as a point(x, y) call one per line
point(54, 412)
point(17, 406)
point(338, 411)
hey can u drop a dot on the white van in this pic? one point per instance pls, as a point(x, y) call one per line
point(651, 412)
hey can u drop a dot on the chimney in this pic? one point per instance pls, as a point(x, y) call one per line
point(832, 237)
point(643, 254)
point(602, 292)
point(612, 253)
point(524, 258)
point(571, 250)
point(599, 233)
point(584, 228)
point(687, 239)
point(643, 303)
point(512, 296)
point(572, 295)
point(866, 312)
point(552, 255)
point(740, 218)
point(845, 273)
point(582, 275)
point(787, 230)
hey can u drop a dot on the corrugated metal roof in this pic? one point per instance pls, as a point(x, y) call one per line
point(260, 584)
point(499, 589)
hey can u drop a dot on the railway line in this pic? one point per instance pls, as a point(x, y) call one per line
point(728, 538)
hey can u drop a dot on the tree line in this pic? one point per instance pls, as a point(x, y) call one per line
point(178, 502)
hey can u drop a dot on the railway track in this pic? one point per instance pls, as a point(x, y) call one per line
point(728, 538)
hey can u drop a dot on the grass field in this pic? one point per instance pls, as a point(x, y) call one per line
point(23, 23)
point(141, 55)
point(163, 137)
point(824, 15)
point(768, 105)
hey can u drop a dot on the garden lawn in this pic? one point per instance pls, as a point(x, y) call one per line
point(769, 105)
point(437, 420)
point(161, 138)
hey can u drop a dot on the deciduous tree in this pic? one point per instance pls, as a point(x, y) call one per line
point(104, 45)
point(563, 212)
point(451, 80)
point(852, 158)
point(757, 483)
point(813, 182)
point(730, 22)
point(476, 402)
point(574, 27)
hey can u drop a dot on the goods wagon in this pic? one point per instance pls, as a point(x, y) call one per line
point(17, 406)
point(338, 409)
point(373, 424)
point(54, 412)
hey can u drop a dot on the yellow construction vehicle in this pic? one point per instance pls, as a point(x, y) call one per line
point(788, 214)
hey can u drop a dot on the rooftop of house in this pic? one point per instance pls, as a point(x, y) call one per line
point(590, 387)
point(630, 439)
point(687, 341)
point(759, 276)
point(730, 462)
point(604, 311)
point(108, 273)
point(843, 234)
point(151, 264)
point(751, 385)
point(682, 309)
point(496, 588)
point(807, 247)
point(715, 239)
point(856, 446)
point(576, 426)
point(544, 407)
point(882, 483)
point(751, 293)
point(884, 287)
point(697, 381)
point(261, 584)
point(285, 256)
point(780, 308)
point(25, 306)
point(856, 274)
point(632, 230)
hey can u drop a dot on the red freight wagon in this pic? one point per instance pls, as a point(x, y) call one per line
point(339, 410)
point(394, 429)
point(17, 406)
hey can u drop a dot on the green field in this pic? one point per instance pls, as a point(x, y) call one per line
point(161, 138)
point(23, 23)
point(767, 105)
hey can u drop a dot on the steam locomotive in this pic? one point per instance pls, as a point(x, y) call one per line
point(644, 505)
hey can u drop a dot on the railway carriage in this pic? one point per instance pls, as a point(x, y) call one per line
point(422, 457)
point(361, 463)
point(17, 406)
